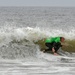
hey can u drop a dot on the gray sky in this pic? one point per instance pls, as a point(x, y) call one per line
point(37, 3)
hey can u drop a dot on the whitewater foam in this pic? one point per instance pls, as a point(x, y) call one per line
point(13, 39)
point(31, 34)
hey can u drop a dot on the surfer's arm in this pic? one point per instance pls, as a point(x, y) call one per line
point(53, 50)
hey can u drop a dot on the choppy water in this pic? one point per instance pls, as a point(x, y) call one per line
point(20, 27)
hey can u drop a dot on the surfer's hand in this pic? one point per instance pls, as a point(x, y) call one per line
point(53, 50)
point(56, 54)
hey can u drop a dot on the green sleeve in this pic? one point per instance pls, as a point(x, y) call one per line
point(49, 40)
point(57, 39)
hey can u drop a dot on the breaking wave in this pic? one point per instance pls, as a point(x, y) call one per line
point(9, 34)
point(22, 42)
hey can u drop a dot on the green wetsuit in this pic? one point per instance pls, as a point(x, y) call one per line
point(53, 42)
point(54, 39)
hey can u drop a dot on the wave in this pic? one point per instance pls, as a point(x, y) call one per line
point(22, 42)
point(34, 35)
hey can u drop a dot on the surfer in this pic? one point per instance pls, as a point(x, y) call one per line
point(54, 44)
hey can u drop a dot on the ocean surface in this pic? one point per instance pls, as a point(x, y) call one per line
point(21, 27)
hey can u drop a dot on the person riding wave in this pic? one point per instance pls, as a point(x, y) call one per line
point(54, 44)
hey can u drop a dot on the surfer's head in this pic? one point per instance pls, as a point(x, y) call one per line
point(62, 39)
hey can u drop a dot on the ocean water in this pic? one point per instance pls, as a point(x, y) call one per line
point(22, 27)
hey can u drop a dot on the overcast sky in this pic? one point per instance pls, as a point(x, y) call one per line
point(37, 3)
